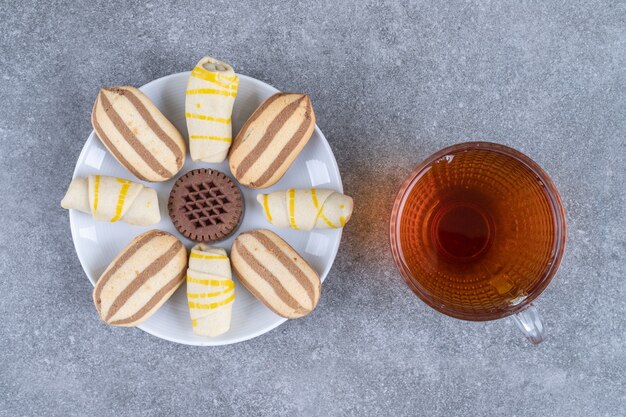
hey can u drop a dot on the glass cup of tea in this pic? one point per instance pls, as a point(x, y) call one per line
point(478, 231)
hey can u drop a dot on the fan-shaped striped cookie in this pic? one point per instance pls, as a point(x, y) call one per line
point(275, 273)
point(271, 139)
point(137, 134)
point(140, 279)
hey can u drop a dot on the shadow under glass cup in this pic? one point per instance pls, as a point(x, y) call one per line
point(478, 231)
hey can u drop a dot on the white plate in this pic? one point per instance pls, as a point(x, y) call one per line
point(97, 243)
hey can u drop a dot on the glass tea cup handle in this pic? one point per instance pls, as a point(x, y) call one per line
point(529, 322)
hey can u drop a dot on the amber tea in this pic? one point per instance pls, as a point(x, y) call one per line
point(477, 230)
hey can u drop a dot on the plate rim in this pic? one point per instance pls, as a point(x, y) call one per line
point(332, 256)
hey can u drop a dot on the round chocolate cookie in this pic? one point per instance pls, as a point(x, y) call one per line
point(205, 205)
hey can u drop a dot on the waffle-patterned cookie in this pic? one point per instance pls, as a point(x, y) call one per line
point(205, 205)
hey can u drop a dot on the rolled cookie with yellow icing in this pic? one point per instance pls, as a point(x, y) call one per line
point(210, 290)
point(137, 134)
point(111, 199)
point(210, 96)
point(275, 273)
point(307, 209)
point(140, 279)
point(271, 139)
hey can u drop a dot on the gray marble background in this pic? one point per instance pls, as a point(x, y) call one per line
point(391, 84)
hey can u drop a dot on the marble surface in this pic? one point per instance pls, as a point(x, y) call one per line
point(391, 84)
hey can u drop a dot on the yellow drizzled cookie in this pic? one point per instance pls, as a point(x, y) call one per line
point(307, 208)
point(210, 95)
point(111, 199)
point(210, 290)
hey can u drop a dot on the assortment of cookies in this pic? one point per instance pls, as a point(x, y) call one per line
point(205, 205)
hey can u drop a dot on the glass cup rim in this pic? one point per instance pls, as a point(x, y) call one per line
point(558, 213)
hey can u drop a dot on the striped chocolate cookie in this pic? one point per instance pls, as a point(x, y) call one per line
point(137, 134)
point(271, 139)
point(275, 273)
point(140, 279)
